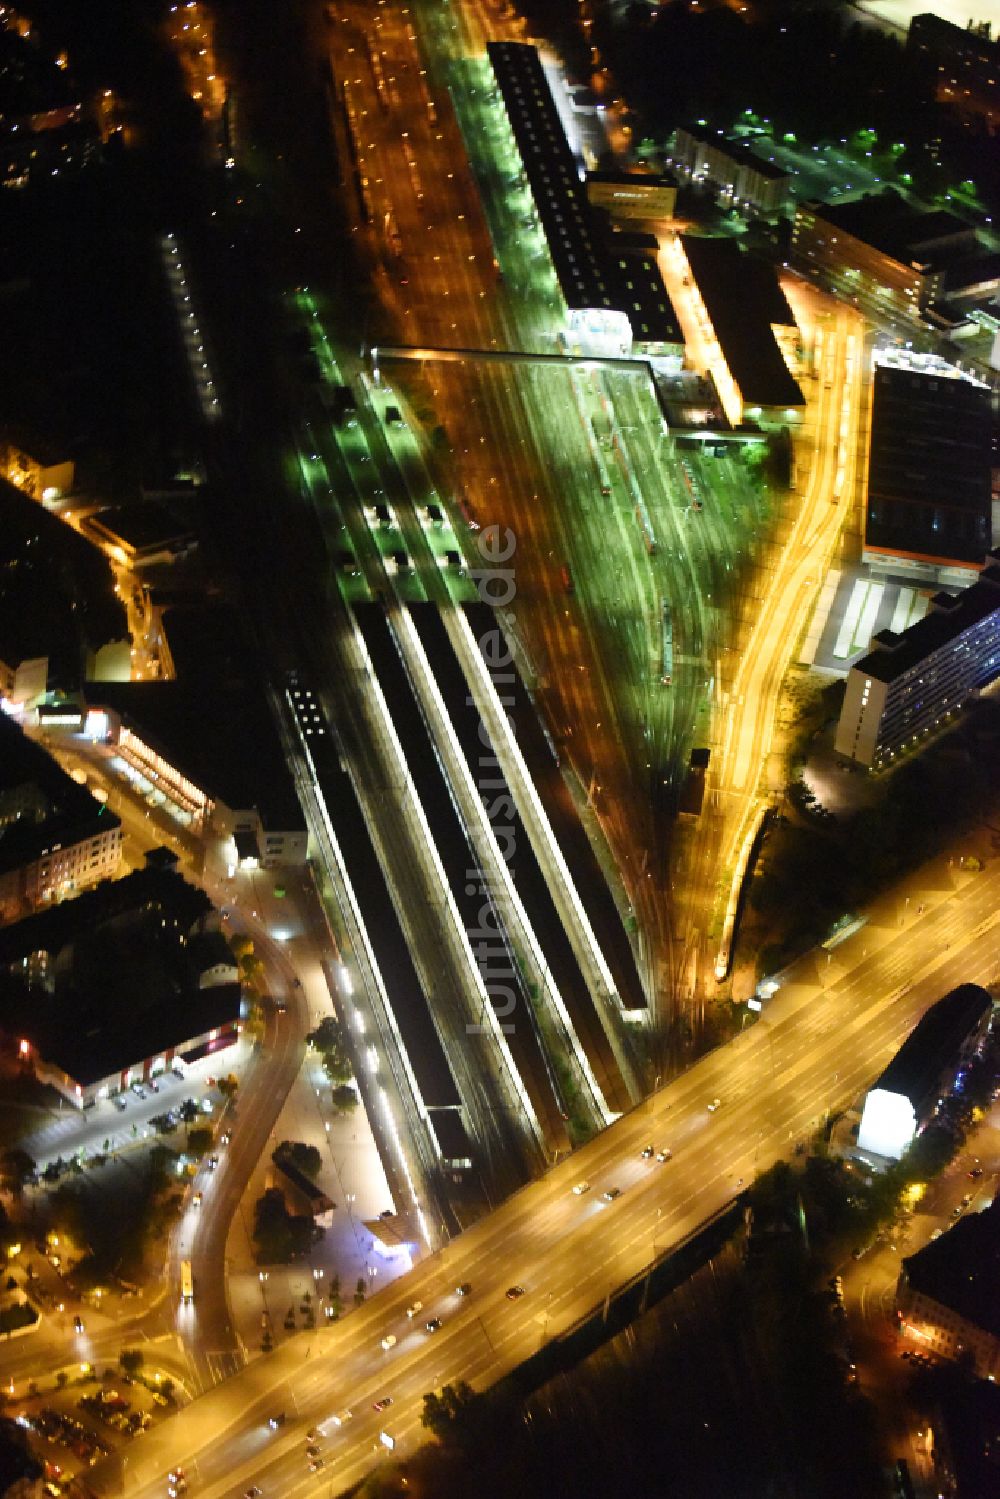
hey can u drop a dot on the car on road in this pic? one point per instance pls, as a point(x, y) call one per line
point(664, 1155)
point(714, 1105)
point(253, 1492)
point(611, 1193)
point(383, 1404)
point(389, 1341)
point(976, 1173)
point(213, 1161)
point(315, 1463)
point(119, 1103)
point(580, 1188)
point(514, 1293)
point(647, 1152)
point(341, 1418)
point(312, 1450)
point(433, 1325)
point(275, 1421)
point(463, 1289)
point(412, 1311)
point(225, 1137)
point(78, 1324)
point(196, 1200)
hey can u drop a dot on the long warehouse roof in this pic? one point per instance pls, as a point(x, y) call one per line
point(584, 264)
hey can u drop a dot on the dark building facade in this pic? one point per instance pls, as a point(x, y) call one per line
point(928, 500)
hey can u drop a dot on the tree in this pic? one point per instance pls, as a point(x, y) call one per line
point(251, 967)
point(457, 1416)
point(199, 1139)
point(344, 1098)
point(337, 1065)
point(228, 1085)
point(9, 1232)
point(328, 1034)
point(280, 1236)
point(306, 1157)
point(131, 1360)
point(17, 1169)
point(189, 1111)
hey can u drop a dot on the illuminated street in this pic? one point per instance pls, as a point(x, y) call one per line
point(822, 1038)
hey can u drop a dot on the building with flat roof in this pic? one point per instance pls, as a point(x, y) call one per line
point(141, 534)
point(966, 1426)
point(741, 298)
point(946, 1295)
point(890, 259)
point(60, 619)
point(965, 59)
point(744, 179)
point(633, 195)
point(912, 682)
point(230, 780)
point(37, 467)
point(604, 314)
point(922, 1072)
point(928, 499)
point(55, 838)
point(207, 742)
point(122, 983)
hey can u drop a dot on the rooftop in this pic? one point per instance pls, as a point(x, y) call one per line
point(929, 471)
point(126, 983)
point(938, 1037)
point(623, 178)
point(589, 275)
point(61, 811)
point(56, 927)
point(888, 223)
point(143, 525)
point(552, 175)
point(55, 576)
point(737, 150)
point(971, 1418)
point(949, 616)
point(223, 739)
point(961, 1270)
point(744, 301)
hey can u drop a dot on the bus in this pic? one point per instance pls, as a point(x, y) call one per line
point(187, 1282)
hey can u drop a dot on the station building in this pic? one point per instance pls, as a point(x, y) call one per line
point(744, 179)
point(923, 1071)
point(612, 310)
point(928, 491)
point(118, 985)
point(912, 682)
point(946, 1295)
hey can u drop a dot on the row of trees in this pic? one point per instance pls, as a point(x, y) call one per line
point(329, 1039)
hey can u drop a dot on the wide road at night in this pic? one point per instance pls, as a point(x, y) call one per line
point(824, 1036)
